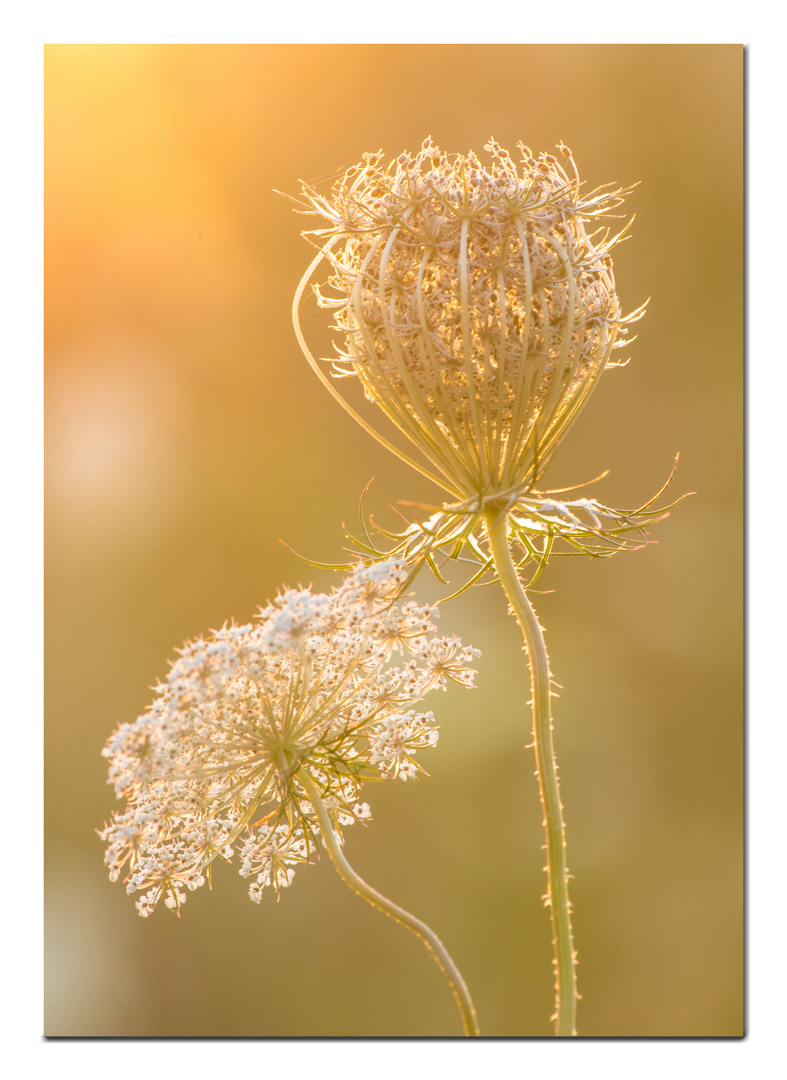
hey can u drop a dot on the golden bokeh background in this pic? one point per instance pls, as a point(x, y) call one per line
point(185, 434)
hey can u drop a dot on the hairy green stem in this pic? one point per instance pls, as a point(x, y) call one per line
point(432, 942)
point(546, 765)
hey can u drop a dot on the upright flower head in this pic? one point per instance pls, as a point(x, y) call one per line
point(475, 308)
point(316, 694)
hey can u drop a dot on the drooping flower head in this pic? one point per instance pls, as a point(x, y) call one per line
point(318, 691)
point(475, 308)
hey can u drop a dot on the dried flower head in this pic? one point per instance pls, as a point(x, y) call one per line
point(476, 309)
point(251, 715)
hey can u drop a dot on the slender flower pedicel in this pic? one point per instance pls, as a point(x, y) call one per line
point(261, 738)
point(477, 308)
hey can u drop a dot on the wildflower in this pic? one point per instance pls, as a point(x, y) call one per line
point(256, 722)
point(478, 313)
point(475, 308)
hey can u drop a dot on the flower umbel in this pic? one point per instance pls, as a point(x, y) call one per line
point(316, 696)
point(476, 309)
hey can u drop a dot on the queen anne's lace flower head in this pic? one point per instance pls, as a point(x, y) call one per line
point(475, 308)
point(320, 687)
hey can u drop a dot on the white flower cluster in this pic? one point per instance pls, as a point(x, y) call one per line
point(477, 310)
point(319, 687)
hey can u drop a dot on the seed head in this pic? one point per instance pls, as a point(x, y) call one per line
point(474, 307)
point(310, 689)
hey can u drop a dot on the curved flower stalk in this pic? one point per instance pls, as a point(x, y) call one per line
point(477, 308)
point(261, 738)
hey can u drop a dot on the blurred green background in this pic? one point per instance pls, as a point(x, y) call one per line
point(186, 435)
